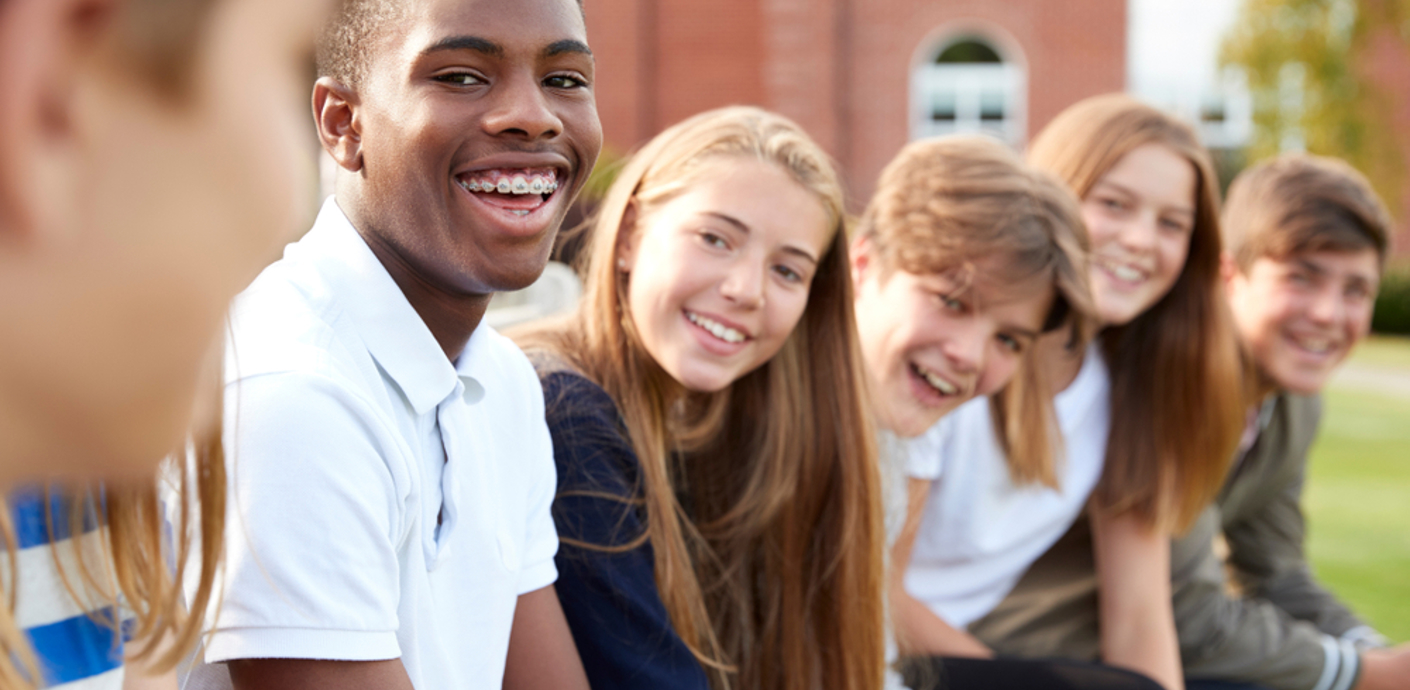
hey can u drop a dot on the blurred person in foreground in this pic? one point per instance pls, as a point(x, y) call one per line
point(395, 471)
point(1306, 245)
point(149, 161)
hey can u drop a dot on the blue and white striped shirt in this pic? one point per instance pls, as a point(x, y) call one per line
point(68, 624)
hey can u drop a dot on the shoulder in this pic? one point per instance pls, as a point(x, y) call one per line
point(1302, 410)
point(1292, 427)
point(288, 319)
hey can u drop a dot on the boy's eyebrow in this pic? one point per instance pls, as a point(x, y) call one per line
point(475, 43)
point(492, 49)
point(566, 45)
point(1310, 266)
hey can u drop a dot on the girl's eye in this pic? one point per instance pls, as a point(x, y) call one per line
point(1111, 203)
point(1010, 343)
point(564, 81)
point(714, 240)
point(1174, 226)
point(1299, 278)
point(459, 79)
point(788, 274)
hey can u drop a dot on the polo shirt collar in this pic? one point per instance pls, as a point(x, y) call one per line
point(393, 332)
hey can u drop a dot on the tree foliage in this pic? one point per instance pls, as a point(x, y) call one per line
point(1305, 65)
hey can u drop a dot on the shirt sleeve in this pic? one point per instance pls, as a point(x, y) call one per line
point(621, 627)
point(314, 521)
point(541, 538)
point(1247, 639)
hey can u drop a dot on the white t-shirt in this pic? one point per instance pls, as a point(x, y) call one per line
point(980, 531)
point(384, 503)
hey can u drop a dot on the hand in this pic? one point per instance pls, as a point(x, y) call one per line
point(1385, 669)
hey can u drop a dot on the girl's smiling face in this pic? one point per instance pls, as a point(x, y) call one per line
point(719, 274)
point(1140, 214)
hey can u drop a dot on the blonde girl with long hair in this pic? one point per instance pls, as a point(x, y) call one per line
point(1149, 414)
point(146, 156)
point(719, 503)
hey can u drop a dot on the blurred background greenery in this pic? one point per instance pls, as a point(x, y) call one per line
point(1358, 489)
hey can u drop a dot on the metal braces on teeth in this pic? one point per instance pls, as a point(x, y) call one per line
point(517, 185)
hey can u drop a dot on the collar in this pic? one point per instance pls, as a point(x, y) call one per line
point(386, 322)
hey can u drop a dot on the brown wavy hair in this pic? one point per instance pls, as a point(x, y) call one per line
point(944, 203)
point(157, 41)
point(1178, 396)
point(773, 577)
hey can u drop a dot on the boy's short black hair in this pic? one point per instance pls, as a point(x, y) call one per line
point(350, 37)
point(1297, 203)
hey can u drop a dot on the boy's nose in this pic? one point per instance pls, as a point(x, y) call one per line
point(1326, 306)
point(521, 108)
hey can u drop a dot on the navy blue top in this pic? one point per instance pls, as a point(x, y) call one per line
point(610, 600)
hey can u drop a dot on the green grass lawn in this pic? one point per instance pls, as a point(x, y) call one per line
point(1358, 495)
point(1384, 350)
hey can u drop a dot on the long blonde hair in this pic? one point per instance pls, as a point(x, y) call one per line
point(157, 41)
point(1178, 395)
point(141, 567)
point(773, 578)
point(946, 202)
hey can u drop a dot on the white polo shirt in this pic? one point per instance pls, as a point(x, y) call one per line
point(384, 503)
point(980, 531)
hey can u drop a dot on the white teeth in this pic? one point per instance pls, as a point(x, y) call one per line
point(519, 212)
point(518, 184)
point(935, 381)
point(716, 328)
point(1122, 271)
point(1314, 345)
point(1126, 273)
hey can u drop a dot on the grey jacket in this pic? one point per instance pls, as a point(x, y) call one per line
point(1284, 632)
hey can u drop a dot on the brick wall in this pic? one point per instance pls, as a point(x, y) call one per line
point(1387, 64)
point(841, 68)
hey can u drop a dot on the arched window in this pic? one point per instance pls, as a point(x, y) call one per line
point(967, 85)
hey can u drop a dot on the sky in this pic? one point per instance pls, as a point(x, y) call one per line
point(1173, 46)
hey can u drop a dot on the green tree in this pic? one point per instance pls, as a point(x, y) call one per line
point(1304, 60)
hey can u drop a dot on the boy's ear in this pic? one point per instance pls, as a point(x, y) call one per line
point(1228, 268)
point(861, 258)
point(626, 238)
point(338, 114)
point(42, 43)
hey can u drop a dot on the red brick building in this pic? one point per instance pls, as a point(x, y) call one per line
point(860, 75)
point(1386, 63)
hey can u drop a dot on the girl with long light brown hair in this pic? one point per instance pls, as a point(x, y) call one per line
point(147, 150)
point(1150, 414)
point(719, 505)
